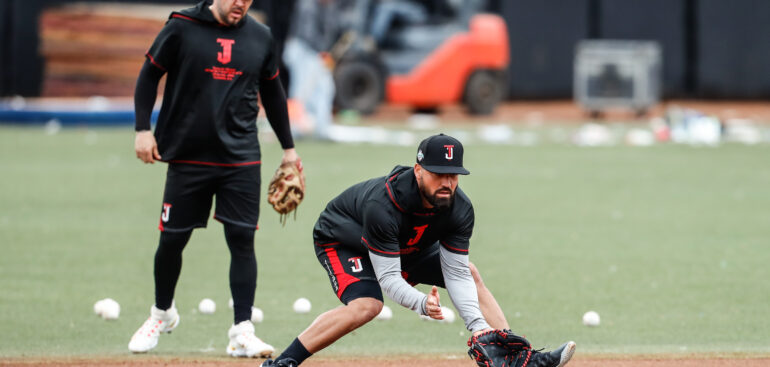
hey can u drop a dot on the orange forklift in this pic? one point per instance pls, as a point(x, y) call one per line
point(460, 56)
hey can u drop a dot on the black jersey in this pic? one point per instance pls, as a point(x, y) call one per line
point(209, 105)
point(385, 215)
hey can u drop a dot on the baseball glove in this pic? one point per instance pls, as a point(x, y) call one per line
point(286, 189)
point(498, 348)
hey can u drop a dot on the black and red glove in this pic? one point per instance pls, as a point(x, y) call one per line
point(497, 348)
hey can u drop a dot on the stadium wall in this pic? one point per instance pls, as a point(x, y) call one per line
point(711, 48)
point(660, 20)
point(21, 66)
point(542, 36)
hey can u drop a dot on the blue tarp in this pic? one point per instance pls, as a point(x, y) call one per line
point(24, 116)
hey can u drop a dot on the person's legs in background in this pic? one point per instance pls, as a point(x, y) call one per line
point(311, 84)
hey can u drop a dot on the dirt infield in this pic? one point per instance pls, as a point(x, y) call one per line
point(578, 361)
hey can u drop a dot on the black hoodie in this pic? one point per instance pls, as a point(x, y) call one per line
point(209, 105)
point(386, 215)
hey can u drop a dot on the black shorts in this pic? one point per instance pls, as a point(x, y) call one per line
point(352, 275)
point(190, 188)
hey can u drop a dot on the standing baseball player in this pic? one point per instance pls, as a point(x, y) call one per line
point(390, 233)
point(216, 59)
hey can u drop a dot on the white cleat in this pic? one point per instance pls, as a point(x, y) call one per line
point(243, 342)
point(159, 321)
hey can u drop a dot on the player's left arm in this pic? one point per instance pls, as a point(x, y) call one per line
point(274, 102)
point(462, 290)
point(457, 274)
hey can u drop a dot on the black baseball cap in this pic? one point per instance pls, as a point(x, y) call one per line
point(441, 154)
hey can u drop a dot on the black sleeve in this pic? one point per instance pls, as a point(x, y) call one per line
point(164, 52)
point(380, 229)
point(145, 93)
point(274, 102)
point(463, 219)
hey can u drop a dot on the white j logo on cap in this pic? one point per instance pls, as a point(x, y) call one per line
point(449, 149)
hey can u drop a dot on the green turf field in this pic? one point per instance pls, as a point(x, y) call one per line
point(670, 244)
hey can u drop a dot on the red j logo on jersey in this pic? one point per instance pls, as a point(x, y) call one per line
point(449, 150)
point(227, 50)
point(420, 230)
point(356, 264)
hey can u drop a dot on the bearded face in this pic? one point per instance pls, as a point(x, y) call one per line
point(437, 192)
point(231, 12)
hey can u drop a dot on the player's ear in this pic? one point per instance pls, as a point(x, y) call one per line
point(417, 170)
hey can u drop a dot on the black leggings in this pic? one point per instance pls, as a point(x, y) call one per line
point(243, 268)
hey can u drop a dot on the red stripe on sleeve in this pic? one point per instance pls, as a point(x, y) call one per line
point(380, 251)
point(180, 16)
point(274, 75)
point(453, 248)
point(152, 60)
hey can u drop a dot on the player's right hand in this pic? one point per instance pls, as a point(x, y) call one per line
point(145, 146)
point(432, 305)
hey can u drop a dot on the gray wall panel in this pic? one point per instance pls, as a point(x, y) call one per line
point(733, 46)
point(543, 35)
point(655, 20)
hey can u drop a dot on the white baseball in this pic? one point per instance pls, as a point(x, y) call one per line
point(207, 306)
point(449, 315)
point(99, 307)
point(230, 303)
point(302, 305)
point(385, 314)
point(591, 318)
point(110, 309)
point(256, 314)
